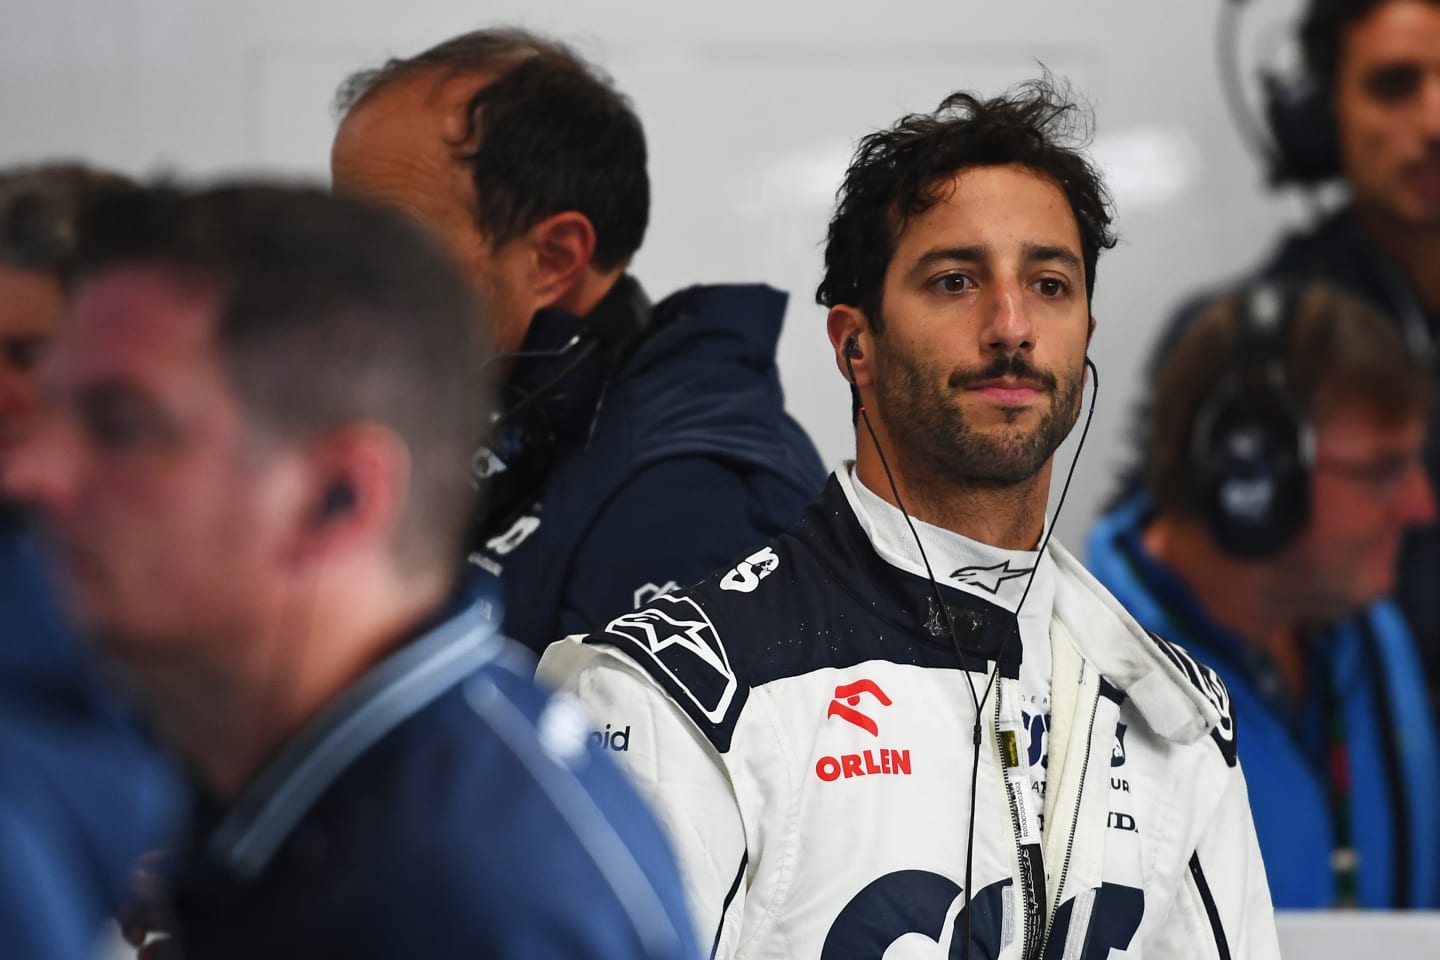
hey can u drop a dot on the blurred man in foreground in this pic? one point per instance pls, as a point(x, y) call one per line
point(253, 481)
point(83, 790)
point(1283, 470)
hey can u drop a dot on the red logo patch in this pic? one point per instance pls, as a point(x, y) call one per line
point(847, 698)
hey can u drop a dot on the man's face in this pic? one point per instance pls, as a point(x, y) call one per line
point(401, 147)
point(1387, 106)
point(160, 509)
point(980, 359)
point(1368, 487)
point(30, 303)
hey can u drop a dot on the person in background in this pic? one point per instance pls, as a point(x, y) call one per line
point(1283, 469)
point(637, 446)
point(1372, 124)
point(252, 484)
point(84, 790)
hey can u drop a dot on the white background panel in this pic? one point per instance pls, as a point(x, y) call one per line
point(751, 109)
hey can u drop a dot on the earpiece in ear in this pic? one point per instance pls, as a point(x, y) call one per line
point(852, 346)
point(339, 500)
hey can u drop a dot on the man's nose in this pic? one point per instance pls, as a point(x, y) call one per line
point(1415, 503)
point(1010, 329)
point(39, 470)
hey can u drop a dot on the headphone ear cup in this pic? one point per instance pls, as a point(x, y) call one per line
point(1302, 126)
point(1251, 473)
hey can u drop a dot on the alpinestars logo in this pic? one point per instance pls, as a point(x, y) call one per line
point(882, 760)
point(675, 633)
point(989, 578)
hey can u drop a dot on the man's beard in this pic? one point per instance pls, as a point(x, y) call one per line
point(919, 404)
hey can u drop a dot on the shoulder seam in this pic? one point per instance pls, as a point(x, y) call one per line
point(575, 805)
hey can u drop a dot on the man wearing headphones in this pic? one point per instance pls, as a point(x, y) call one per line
point(914, 719)
point(1365, 110)
point(252, 481)
point(621, 422)
point(1282, 471)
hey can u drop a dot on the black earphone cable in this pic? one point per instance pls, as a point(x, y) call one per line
point(977, 734)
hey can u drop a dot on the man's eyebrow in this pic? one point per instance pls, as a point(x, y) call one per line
point(1031, 252)
point(973, 254)
point(1039, 252)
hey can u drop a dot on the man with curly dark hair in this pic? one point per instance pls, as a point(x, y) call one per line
point(914, 716)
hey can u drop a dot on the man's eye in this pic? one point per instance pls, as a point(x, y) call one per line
point(1394, 84)
point(954, 283)
point(117, 431)
point(120, 428)
point(1051, 287)
point(23, 354)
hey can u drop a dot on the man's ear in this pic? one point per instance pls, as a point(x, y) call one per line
point(562, 249)
point(356, 484)
point(1090, 334)
point(850, 338)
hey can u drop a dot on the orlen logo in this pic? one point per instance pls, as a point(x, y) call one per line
point(849, 693)
point(883, 760)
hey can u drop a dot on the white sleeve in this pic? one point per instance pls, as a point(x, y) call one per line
point(676, 768)
point(1223, 907)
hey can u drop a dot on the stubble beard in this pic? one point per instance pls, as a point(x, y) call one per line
point(918, 401)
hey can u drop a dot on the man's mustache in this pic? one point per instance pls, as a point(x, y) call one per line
point(1013, 367)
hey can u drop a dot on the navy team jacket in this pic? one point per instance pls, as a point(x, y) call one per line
point(675, 468)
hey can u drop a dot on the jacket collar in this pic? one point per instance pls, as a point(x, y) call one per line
point(385, 697)
point(1154, 675)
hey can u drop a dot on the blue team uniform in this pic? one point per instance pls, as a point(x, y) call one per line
point(1365, 701)
point(443, 806)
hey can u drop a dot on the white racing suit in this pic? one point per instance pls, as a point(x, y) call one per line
point(803, 728)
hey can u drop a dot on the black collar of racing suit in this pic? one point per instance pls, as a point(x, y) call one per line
point(832, 531)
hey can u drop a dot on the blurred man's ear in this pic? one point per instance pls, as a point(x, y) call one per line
point(355, 486)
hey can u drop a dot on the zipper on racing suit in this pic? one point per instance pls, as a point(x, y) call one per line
point(1075, 818)
point(1026, 831)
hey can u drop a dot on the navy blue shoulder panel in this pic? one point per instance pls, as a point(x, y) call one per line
point(817, 596)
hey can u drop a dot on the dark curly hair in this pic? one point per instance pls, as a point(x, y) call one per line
point(548, 133)
point(1321, 28)
point(899, 173)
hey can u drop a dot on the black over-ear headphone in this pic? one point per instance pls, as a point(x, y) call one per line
point(1251, 447)
point(1300, 143)
point(1303, 131)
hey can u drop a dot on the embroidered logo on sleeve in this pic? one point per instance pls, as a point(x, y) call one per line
point(677, 635)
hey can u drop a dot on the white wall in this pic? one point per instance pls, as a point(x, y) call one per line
point(751, 109)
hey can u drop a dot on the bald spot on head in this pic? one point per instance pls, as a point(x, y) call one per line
point(401, 146)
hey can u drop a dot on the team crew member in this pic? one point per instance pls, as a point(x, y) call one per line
point(1283, 471)
point(620, 422)
point(1372, 124)
point(912, 717)
point(253, 478)
point(83, 790)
